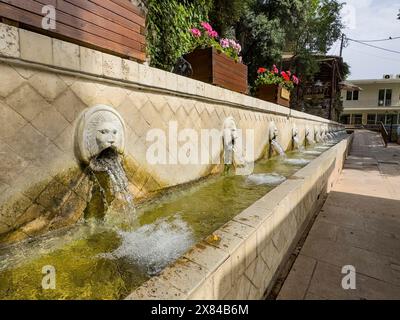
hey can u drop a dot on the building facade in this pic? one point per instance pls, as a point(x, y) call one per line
point(376, 101)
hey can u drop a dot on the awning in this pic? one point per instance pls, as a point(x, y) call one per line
point(346, 85)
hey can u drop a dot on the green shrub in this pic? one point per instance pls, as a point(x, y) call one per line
point(168, 29)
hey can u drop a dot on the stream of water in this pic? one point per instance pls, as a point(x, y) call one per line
point(96, 260)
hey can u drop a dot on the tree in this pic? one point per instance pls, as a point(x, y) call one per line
point(225, 14)
point(268, 28)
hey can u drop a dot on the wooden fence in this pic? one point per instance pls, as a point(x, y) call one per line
point(113, 26)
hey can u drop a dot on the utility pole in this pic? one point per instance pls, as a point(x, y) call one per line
point(342, 44)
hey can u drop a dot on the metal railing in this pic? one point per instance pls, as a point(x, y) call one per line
point(384, 133)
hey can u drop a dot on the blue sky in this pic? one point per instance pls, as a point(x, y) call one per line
point(371, 19)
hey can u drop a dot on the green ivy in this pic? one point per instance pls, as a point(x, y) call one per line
point(168, 26)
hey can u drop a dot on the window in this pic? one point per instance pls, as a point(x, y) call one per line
point(357, 118)
point(385, 97)
point(371, 118)
point(381, 118)
point(345, 119)
point(391, 119)
point(352, 95)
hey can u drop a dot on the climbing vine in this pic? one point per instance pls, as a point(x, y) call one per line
point(168, 29)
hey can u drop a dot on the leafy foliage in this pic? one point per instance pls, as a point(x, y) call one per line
point(284, 78)
point(206, 37)
point(302, 27)
point(168, 26)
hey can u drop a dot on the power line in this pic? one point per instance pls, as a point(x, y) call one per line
point(378, 40)
point(375, 56)
point(372, 46)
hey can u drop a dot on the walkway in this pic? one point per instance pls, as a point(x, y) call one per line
point(359, 225)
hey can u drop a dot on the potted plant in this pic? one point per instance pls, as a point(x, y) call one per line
point(275, 86)
point(216, 60)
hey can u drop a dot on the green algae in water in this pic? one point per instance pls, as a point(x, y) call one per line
point(80, 273)
point(99, 264)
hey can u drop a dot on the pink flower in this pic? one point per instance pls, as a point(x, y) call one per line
point(213, 34)
point(295, 80)
point(224, 43)
point(275, 69)
point(207, 26)
point(289, 73)
point(196, 32)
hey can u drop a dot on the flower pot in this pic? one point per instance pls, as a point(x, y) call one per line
point(214, 67)
point(274, 93)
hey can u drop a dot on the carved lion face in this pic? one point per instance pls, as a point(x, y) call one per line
point(106, 135)
point(230, 133)
point(99, 128)
point(273, 131)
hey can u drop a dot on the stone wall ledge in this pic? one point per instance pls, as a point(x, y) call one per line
point(26, 48)
point(243, 261)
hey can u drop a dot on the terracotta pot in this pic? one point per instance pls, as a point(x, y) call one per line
point(214, 67)
point(274, 93)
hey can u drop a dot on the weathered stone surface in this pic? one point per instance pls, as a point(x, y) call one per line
point(130, 70)
point(69, 105)
point(91, 61)
point(66, 54)
point(112, 66)
point(10, 121)
point(48, 85)
point(9, 41)
point(27, 102)
point(35, 47)
point(50, 123)
point(9, 80)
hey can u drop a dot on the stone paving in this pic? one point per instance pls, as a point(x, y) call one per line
point(359, 225)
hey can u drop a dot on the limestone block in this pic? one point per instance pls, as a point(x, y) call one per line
point(9, 41)
point(53, 196)
point(251, 248)
point(91, 61)
point(66, 54)
point(50, 123)
point(146, 75)
point(156, 289)
point(69, 105)
point(207, 256)
point(130, 70)
point(182, 84)
point(112, 66)
point(34, 211)
point(223, 279)
point(205, 291)
point(35, 47)
point(27, 102)
point(171, 81)
point(9, 80)
point(185, 275)
point(11, 164)
point(10, 121)
point(49, 85)
point(159, 78)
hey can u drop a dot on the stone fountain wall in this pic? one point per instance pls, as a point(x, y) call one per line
point(46, 83)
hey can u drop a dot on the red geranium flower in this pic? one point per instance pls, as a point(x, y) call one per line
point(261, 70)
point(285, 76)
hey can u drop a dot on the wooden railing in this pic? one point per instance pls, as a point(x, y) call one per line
point(114, 26)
